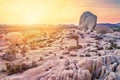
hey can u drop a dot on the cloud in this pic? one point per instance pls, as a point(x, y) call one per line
point(98, 3)
point(115, 1)
point(58, 11)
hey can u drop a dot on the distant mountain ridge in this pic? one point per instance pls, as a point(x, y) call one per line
point(109, 24)
point(118, 24)
point(99, 24)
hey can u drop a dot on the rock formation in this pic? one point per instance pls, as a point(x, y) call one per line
point(97, 59)
point(87, 21)
point(103, 30)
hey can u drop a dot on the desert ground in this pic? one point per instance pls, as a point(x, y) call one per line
point(62, 54)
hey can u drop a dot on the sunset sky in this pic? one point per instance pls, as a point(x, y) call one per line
point(57, 11)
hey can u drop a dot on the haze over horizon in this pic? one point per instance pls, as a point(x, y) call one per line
point(57, 11)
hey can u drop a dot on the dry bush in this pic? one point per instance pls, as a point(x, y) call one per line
point(23, 49)
point(15, 68)
point(74, 47)
point(12, 68)
point(33, 45)
point(10, 54)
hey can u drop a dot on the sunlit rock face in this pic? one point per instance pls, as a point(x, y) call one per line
point(87, 21)
point(103, 30)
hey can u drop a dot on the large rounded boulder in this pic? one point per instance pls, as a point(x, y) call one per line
point(103, 29)
point(87, 21)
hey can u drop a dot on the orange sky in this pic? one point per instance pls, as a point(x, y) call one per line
point(57, 11)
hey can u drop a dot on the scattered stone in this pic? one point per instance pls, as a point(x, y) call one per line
point(54, 54)
point(65, 52)
point(103, 29)
point(27, 58)
point(61, 57)
point(50, 52)
point(98, 38)
point(73, 54)
point(0, 50)
point(87, 55)
point(100, 48)
point(41, 59)
point(46, 54)
point(82, 55)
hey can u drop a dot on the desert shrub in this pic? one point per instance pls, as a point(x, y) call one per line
point(41, 59)
point(0, 50)
point(10, 54)
point(61, 57)
point(50, 41)
point(42, 45)
point(24, 49)
point(98, 38)
point(18, 68)
point(75, 47)
point(87, 55)
point(66, 52)
point(112, 46)
point(33, 45)
point(15, 68)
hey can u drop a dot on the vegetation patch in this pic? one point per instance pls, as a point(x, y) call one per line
point(74, 47)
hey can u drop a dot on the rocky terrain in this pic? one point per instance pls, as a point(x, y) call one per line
point(95, 57)
point(67, 54)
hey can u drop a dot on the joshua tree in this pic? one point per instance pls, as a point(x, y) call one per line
point(76, 37)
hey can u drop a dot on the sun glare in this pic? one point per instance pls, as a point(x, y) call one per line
point(31, 18)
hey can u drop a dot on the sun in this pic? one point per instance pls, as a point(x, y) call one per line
point(31, 18)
